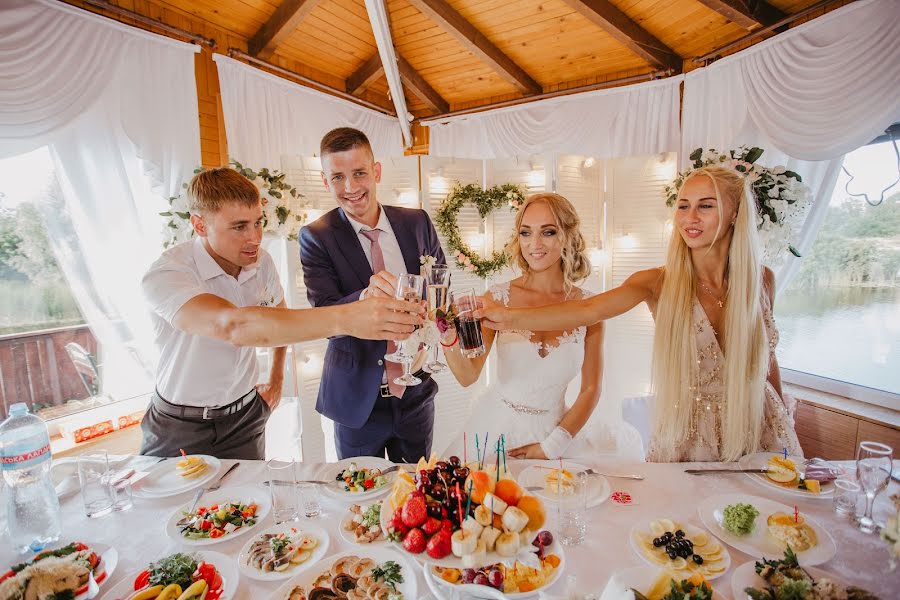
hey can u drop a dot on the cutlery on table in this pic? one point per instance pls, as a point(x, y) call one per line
point(387, 471)
point(211, 488)
point(714, 471)
point(616, 475)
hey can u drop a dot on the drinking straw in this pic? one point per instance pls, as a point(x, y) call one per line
point(503, 446)
point(468, 499)
point(484, 454)
point(459, 504)
point(498, 463)
point(477, 451)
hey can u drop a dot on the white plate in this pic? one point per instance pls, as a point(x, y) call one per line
point(298, 529)
point(639, 578)
point(761, 459)
point(691, 532)
point(109, 559)
point(439, 586)
point(336, 488)
point(533, 476)
point(379, 554)
point(759, 542)
point(246, 494)
point(349, 536)
point(745, 576)
point(223, 564)
point(163, 479)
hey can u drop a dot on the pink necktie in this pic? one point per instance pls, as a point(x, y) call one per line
point(393, 370)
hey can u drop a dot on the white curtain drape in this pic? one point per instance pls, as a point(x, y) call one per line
point(267, 117)
point(633, 120)
point(117, 109)
point(807, 97)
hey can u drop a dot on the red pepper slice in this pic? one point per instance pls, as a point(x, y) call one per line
point(142, 580)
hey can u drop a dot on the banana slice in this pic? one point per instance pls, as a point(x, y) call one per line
point(477, 558)
point(507, 544)
point(472, 525)
point(483, 515)
point(463, 542)
point(514, 519)
point(489, 536)
point(496, 505)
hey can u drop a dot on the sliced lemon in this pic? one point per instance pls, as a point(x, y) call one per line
point(309, 542)
point(678, 563)
point(301, 557)
point(667, 525)
point(656, 528)
point(699, 539)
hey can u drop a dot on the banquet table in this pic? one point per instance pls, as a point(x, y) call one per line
point(666, 491)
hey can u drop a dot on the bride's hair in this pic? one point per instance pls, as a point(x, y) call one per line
point(675, 358)
point(575, 264)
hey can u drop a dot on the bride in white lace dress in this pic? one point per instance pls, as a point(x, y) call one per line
point(527, 402)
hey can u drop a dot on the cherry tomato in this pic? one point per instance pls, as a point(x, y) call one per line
point(205, 524)
point(216, 533)
point(142, 580)
point(369, 484)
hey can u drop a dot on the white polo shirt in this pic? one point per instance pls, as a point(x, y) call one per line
point(194, 370)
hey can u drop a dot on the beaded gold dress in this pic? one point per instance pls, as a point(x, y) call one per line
point(704, 441)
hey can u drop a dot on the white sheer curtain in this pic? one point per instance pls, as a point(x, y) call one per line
point(633, 120)
point(807, 97)
point(267, 117)
point(118, 110)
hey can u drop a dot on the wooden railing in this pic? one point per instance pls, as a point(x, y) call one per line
point(36, 369)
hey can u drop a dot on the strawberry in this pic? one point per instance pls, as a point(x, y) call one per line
point(431, 526)
point(447, 525)
point(439, 545)
point(414, 541)
point(414, 512)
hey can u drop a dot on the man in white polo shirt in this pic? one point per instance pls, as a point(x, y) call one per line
point(213, 300)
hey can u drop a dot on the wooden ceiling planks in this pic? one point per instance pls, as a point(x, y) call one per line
point(286, 18)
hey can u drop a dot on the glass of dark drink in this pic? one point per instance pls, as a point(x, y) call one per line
point(468, 328)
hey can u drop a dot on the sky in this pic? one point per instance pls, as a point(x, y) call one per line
point(22, 177)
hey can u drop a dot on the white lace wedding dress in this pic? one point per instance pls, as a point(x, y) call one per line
point(527, 400)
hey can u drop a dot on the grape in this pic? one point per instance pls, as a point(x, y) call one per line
point(468, 575)
point(495, 578)
point(545, 537)
point(481, 579)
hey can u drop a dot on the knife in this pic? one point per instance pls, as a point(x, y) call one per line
point(714, 471)
point(214, 486)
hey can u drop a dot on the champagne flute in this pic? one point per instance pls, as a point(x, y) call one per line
point(437, 283)
point(873, 471)
point(409, 288)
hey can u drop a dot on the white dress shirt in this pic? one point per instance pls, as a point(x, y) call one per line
point(194, 370)
point(390, 248)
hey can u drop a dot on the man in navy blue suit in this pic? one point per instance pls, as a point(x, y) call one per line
point(353, 252)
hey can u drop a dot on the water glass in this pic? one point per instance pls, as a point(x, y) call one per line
point(468, 328)
point(283, 487)
point(572, 512)
point(409, 288)
point(846, 493)
point(309, 499)
point(873, 471)
point(93, 469)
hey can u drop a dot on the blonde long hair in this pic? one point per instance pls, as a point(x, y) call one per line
point(675, 359)
point(575, 264)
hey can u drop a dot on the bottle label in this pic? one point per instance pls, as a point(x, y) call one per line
point(25, 460)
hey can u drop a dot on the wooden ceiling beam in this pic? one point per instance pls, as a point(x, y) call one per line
point(620, 26)
point(448, 19)
point(371, 70)
point(280, 25)
point(748, 14)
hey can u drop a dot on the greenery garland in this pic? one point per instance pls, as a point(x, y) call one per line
point(486, 201)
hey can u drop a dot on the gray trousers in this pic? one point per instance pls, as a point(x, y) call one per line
point(241, 435)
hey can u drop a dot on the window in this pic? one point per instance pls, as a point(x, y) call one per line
point(840, 317)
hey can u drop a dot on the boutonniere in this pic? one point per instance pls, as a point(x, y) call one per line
point(269, 302)
point(427, 261)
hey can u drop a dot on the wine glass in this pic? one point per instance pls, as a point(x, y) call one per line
point(437, 285)
point(409, 288)
point(873, 470)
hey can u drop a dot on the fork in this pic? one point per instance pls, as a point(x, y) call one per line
point(211, 488)
point(617, 475)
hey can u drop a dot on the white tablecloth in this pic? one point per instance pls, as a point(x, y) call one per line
point(666, 491)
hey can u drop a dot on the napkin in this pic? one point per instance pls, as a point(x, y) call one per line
point(616, 590)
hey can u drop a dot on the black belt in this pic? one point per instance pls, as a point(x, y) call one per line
point(202, 412)
point(421, 374)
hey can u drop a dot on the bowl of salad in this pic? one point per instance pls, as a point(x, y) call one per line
point(219, 516)
point(206, 575)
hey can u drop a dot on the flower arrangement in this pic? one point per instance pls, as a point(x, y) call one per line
point(486, 201)
point(782, 200)
point(891, 532)
point(281, 206)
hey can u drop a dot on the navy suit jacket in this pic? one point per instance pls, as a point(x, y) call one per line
point(335, 271)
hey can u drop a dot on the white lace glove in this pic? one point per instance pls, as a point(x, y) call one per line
point(557, 443)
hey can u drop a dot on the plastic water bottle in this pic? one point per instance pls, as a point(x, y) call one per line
point(32, 508)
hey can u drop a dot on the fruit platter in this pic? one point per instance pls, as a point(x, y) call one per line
point(185, 576)
point(516, 580)
point(460, 516)
point(282, 551)
point(680, 547)
point(375, 573)
point(791, 474)
point(64, 569)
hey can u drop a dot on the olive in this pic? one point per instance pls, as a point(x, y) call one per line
point(672, 554)
point(657, 542)
point(698, 559)
point(679, 534)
